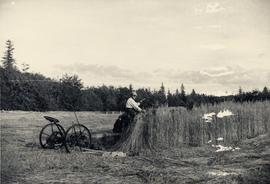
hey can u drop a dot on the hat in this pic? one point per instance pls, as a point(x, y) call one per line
point(134, 93)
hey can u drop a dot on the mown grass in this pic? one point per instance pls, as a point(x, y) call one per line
point(21, 153)
point(23, 161)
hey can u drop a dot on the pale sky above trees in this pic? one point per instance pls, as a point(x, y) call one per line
point(210, 45)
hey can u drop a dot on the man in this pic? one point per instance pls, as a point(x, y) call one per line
point(132, 108)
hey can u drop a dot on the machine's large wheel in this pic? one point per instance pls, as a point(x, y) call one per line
point(78, 137)
point(52, 136)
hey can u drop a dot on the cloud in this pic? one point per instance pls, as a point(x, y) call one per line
point(261, 55)
point(213, 46)
point(208, 27)
point(105, 74)
point(229, 77)
point(98, 70)
point(213, 7)
point(208, 8)
point(217, 72)
point(214, 26)
point(211, 80)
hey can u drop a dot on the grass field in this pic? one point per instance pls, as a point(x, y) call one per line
point(23, 161)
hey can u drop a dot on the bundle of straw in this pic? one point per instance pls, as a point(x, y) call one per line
point(165, 128)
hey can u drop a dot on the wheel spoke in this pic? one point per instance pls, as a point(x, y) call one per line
point(52, 127)
point(43, 133)
point(83, 130)
point(80, 135)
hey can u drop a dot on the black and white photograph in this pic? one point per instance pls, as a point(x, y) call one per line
point(135, 91)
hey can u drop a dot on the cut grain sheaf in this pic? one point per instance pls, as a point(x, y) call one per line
point(165, 128)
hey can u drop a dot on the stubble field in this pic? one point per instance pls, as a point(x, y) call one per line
point(23, 161)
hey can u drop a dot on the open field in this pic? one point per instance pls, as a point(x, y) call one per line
point(23, 161)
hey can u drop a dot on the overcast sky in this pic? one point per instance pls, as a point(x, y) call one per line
point(212, 46)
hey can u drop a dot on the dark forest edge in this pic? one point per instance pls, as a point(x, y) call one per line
point(22, 90)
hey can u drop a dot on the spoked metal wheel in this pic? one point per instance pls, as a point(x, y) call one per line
point(52, 136)
point(78, 138)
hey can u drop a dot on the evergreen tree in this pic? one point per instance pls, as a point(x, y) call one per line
point(265, 93)
point(176, 92)
point(162, 96)
point(265, 90)
point(193, 93)
point(170, 99)
point(240, 91)
point(182, 88)
point(183, 97)
point(130, 88)
point(191, 100)
point(8, 79)
point(8, 60)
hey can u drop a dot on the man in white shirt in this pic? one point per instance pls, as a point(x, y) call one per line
point(132, 108)
point(132, 104)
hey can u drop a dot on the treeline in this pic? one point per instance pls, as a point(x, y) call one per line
point(22, 90)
